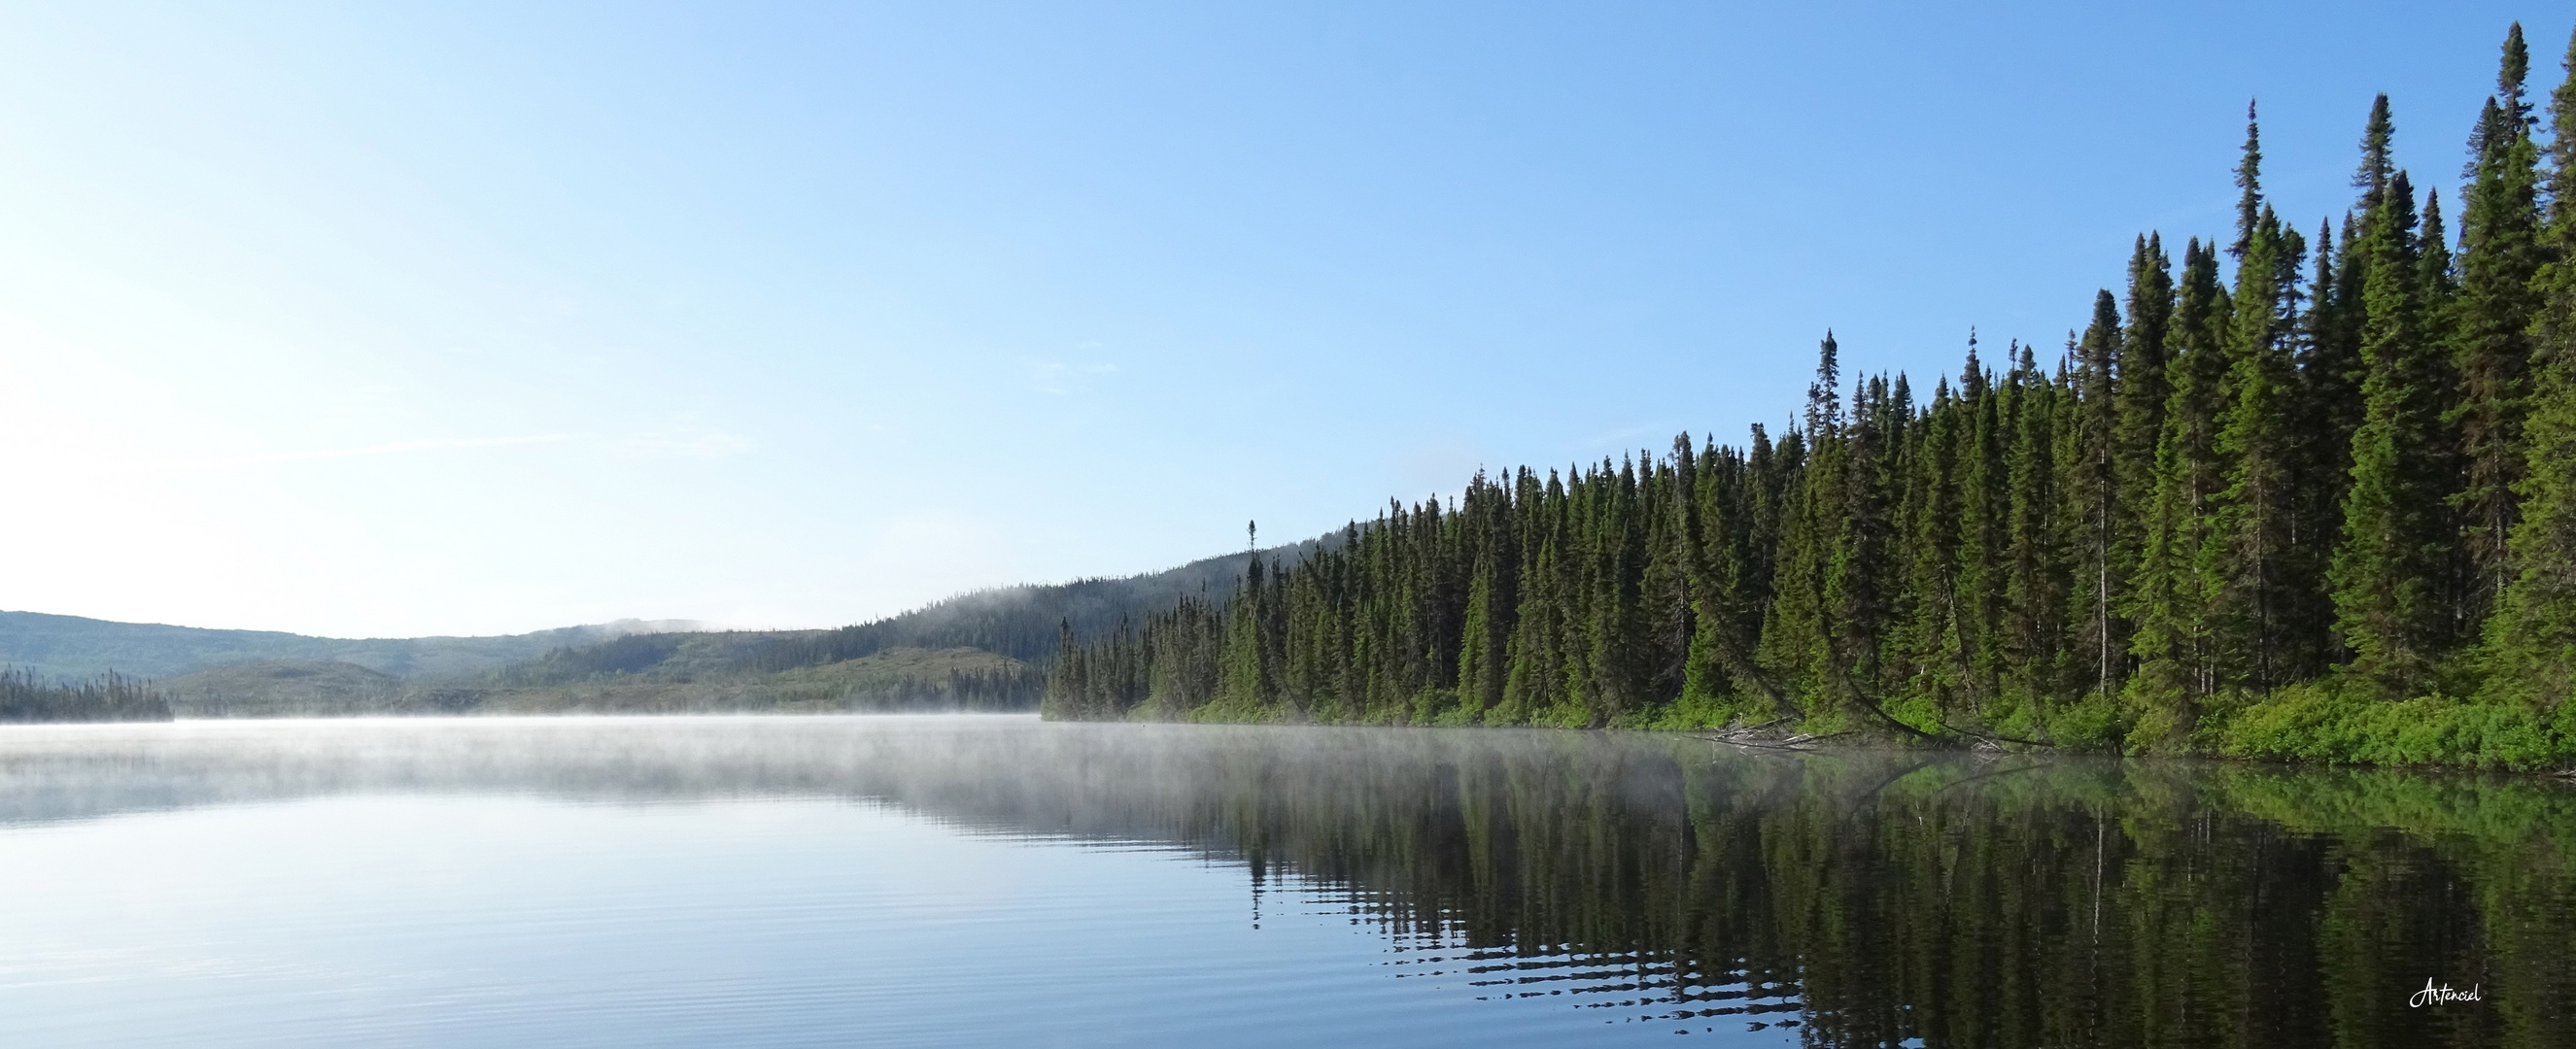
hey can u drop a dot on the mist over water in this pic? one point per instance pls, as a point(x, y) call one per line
point(945, 880)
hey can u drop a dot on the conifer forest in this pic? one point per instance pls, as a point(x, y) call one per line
point(2303, 490)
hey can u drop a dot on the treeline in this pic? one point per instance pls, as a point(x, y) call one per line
point(25, 696)
point(2295, 495)
point(991, 689)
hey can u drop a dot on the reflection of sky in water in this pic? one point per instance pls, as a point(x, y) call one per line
point(230, 889)
point(997, 881)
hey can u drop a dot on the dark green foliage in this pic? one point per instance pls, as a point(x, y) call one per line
point(2395, 572)
point(2500, 258)
point(2256, 568)
point(2245, 492)
point(2172, 601)
point(24, 696)
point(2532, 640)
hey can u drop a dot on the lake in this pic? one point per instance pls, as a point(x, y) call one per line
point(995, 880)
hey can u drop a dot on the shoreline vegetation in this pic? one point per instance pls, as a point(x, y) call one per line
point(25, 696)
point(2299, 498)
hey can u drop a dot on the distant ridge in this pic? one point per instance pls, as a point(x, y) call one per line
point(1023, 622)
point(986, 649)
point(77, 647)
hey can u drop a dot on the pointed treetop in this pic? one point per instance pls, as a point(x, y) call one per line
point(2434, 243)
point(2249, 179)
point(2510, 76)
point(2372, 179)
point(2325, 259)
point(2489, 136)
point(1824, 407)
point(1972, 376)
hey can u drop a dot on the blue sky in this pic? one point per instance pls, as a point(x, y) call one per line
point(379, 319)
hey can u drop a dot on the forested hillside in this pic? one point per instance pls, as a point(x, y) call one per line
point(976, 651)
point(79, 648)
point(2292, 494)
point(1023, 622)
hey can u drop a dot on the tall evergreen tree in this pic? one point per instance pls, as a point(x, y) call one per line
point(2143, 390)
point(2251, 566)
point(2500, 254)
point(2392, 569)
point(2035, 584)
point(2532, 639)
point(2100, 561)
point(1985, 510)
point(1797, 647)
point(2173, 600)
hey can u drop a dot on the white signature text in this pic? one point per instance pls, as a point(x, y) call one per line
point(2432, 995)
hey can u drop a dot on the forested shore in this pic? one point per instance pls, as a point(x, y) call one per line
point(24, 696)
point(2293, 496)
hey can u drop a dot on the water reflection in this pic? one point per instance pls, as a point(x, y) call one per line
point(1857, 899)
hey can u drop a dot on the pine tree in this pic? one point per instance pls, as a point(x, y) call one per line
point(1796, 648)
point(2329, 405)
point(2099, 560)
point(2144, 389)
point(1985, 503)
point(2173, 599)
point(1933, 630)
point(2250, 567)
point(2035, 584)
point(2499, 257)
point(2391, 572)
point(2532, 639)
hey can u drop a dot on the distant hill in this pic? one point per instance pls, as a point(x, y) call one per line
point(986, 650)
point(1022, 621)
point(76, 648)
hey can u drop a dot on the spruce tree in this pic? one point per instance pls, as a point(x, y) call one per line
point(2250, 567)
point(2173, 601)
point(1932, 631)
point(1985, 502)
point(2390, 572)
point(2500, 253)
point(2035, 583)
point(2532, 639)
point(1797, 647)
point(2099, 560)
point(2143, 390)
point(2329, 383)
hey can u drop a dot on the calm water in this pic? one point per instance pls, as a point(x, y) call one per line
point(997, 881)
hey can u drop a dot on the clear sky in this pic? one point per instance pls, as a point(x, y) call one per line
point(375, 319)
